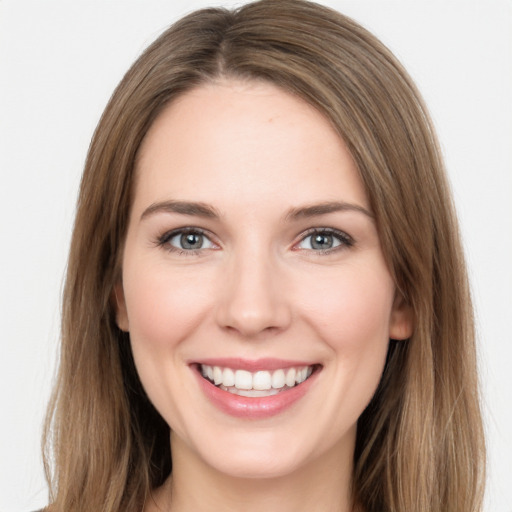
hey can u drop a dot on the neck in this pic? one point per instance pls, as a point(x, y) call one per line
point(322, 485)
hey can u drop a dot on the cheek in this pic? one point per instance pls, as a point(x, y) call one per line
point(162, 305)
point(163, 308)
point(352, 319)
point(352, 309)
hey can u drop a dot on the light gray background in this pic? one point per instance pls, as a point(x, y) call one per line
point(59, 63)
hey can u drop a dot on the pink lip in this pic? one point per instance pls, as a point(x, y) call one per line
point(252, 407)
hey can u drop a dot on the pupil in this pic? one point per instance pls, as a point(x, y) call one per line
point(191, 240)
point(322, 242)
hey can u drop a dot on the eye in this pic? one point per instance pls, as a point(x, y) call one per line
point(323, 240)
point(188, 240)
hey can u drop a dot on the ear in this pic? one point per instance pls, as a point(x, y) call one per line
point(120, 307)
point(401, 322)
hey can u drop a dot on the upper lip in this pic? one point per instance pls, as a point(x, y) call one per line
point(253, 365)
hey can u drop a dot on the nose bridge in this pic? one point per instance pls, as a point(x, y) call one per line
point(253, 298)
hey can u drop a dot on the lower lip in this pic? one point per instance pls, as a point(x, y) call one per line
point(254, 407)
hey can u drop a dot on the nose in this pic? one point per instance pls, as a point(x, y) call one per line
point(254, 297)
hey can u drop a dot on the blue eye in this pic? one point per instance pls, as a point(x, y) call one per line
point(323, 240)
point(186, 240)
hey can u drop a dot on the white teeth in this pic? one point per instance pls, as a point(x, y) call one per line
point(300, 376)
point(278, 379)
point(262, 380)
point(243, 379)
point(217, 375)
point(228, 377)
point(250, 392)
point(290, 377)
point(260, 383)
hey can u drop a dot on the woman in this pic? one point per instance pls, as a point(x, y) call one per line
point(266, 303)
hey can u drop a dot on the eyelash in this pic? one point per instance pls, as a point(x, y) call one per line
point(163, 241)
point(345, 241)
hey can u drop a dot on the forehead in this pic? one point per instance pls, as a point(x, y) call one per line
point(245, 139)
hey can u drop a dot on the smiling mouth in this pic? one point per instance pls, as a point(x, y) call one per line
point(256, 384)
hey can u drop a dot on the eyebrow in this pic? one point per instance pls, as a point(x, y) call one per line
point(314, 210)
point(183, 208)
point(204, 210)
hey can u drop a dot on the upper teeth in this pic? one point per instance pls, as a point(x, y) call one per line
point(260, 380)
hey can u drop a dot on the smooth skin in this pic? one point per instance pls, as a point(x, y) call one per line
point(239, 166)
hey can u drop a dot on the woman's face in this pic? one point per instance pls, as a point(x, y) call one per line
point(252, 258)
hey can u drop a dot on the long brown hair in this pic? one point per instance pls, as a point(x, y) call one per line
point(419, 443)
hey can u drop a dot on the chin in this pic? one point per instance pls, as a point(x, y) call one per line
point(266, 452)
point(251, 465)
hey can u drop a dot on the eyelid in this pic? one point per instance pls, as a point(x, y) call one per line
point(163, 240)
point(345, 239)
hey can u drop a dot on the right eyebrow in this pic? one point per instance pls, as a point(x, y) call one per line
point(182, 207)
point(326, 208)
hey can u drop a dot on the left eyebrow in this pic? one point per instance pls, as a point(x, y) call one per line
point(182, 208)
point(314, 210)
